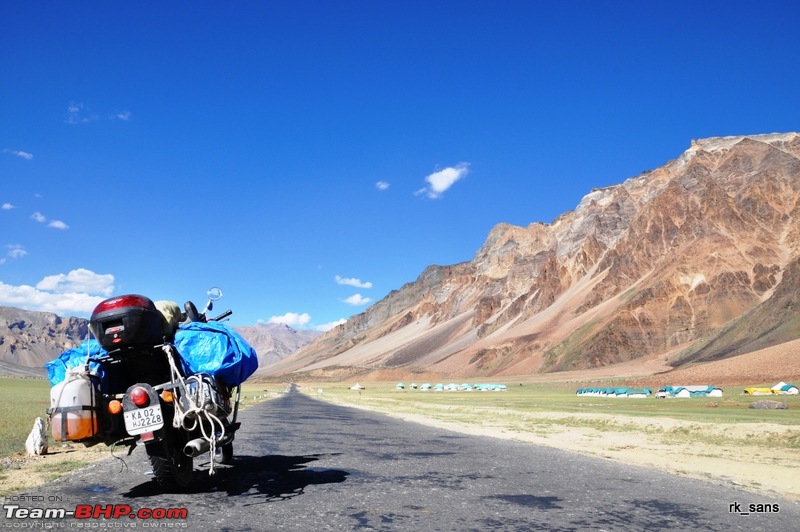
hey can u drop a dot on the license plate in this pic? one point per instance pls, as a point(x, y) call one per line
point(143, 420)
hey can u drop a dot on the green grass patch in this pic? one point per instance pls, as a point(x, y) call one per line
point(23, 401)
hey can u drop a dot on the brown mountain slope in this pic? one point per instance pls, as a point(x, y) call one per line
point(660, 265)
point(29, 339)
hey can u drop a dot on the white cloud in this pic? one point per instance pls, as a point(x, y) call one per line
point(58, 224)
point(439, 182)
point(76, 293)
point(7, 207)
point(291, 319)
point(325, 327)
point(55, 224)
point(29, 298)
point(123, 115)
point(16, 251)
point(19, 153)
point(357, 300)
point(382, 185)
point(80, 280)
point(77, 113)
point(353, 282)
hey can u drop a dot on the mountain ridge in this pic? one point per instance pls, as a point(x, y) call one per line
point(654, 266)
point(29, 339)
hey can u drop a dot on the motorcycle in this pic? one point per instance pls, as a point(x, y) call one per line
point(139, 390)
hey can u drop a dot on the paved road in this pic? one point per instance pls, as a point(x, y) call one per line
point(302, 464)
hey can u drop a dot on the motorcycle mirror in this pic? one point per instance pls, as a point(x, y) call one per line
point(214, 293)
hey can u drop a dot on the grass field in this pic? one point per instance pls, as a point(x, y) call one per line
point(23, 401)
point(548, 407)
point(731, 408)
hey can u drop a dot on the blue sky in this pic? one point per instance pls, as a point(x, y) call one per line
point(310, 157)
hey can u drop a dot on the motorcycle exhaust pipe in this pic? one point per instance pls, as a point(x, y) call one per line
point(196, 447)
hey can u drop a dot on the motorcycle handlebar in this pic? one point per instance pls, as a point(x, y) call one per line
point(222, 316)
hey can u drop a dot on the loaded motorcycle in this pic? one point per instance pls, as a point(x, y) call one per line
point(144, 381)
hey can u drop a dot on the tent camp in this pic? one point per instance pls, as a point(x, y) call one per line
point(785, 389)
point(689, 391)
point(636, 393)
point(754, 390)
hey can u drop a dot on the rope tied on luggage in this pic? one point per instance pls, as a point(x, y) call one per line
point(195, 413)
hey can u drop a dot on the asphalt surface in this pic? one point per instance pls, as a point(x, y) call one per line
point(303, 464)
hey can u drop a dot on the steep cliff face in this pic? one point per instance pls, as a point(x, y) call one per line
point(648, 267)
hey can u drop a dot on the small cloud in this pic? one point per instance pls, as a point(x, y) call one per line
point(357, 300)
point(78, 281)
point(382, 185)
point(19, 153)
point(291, 319)
point(6, 206)
point(439, 182)
point(325, 327)
point(58, 224)
point(123, 115)
point(78, 113)
point(55, 224)
point(16, 251)
point(353, 282)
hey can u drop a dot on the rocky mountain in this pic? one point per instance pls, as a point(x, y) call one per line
point(30, 339)
point(696, 260)
point(274, 341)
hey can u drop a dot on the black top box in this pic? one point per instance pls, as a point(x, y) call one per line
point(127, 321)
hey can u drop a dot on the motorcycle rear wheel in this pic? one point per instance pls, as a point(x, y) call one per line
point(172, 469)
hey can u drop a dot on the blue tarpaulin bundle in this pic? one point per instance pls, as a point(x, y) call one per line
point(203, 347)
point(74, 358)
point(217, 349)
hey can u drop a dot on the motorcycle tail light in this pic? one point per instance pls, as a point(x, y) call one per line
point(114, 407)
point(167, 396)
point(139, 397)
point(132, 300)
